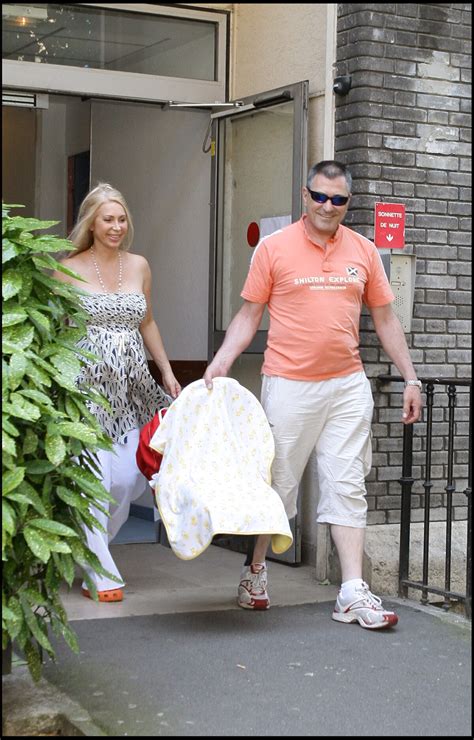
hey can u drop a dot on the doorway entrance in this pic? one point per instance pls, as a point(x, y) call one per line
point(192, 200)
point(154, 157)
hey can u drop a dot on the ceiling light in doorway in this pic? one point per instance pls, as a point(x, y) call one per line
point(24, 15)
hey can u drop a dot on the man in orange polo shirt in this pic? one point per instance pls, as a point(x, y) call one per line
point(314, 276)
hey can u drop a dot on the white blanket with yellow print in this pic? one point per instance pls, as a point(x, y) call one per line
point(214, 478)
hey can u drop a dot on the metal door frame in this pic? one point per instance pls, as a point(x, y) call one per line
point(298, 93)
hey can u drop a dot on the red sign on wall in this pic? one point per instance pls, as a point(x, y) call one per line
point(389, 225)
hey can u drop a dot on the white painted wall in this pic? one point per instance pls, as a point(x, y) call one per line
point(276, 44)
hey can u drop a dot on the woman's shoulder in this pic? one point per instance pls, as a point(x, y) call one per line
point(137, 257)
point(70, 260)
point(138, 261)
point(68, 264)
point(74, 262)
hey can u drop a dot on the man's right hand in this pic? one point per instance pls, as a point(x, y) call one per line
point(238, 336)
point(214, 370)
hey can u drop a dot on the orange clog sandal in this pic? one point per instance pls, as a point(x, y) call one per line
point(113, 594)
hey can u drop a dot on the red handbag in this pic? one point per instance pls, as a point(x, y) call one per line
point(148, 460)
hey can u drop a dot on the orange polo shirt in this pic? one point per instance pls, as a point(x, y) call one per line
point(315, 296)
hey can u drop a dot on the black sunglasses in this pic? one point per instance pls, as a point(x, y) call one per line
point(336, 200)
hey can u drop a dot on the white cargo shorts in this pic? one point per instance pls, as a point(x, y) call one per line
point(332, 418)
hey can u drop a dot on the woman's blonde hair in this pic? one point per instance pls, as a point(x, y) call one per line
point(81, 235)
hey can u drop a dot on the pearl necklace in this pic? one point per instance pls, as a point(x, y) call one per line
point(119, 285)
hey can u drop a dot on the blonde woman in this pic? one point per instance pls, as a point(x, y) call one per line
point(117, 299)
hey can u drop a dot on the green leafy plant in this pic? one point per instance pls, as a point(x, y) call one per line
point(49, 441)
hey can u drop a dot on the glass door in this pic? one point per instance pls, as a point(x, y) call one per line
point(259, 166)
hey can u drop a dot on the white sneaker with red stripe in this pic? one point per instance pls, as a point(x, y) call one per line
point(253, 587)
point(364, 607)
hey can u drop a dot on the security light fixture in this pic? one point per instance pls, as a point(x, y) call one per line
point(342, 84)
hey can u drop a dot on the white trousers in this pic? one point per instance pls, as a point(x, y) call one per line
point(123, 480)
point(332, 419)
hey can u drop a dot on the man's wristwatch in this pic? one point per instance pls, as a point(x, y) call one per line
point(418, 383)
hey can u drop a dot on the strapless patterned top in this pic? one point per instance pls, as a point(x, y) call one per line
point(122, 373)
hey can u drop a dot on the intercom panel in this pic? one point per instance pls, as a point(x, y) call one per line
point(401, 272)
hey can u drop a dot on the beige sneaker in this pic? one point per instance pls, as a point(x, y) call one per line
point(253, 588)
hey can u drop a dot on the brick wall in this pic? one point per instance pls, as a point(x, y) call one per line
point(405, 130)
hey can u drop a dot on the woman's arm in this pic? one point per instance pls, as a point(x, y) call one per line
point(153, 341)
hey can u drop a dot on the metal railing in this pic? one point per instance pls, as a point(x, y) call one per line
point(407, 480)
